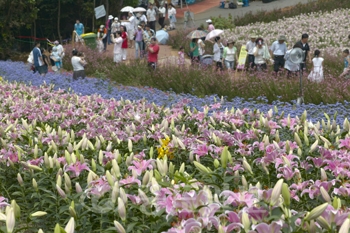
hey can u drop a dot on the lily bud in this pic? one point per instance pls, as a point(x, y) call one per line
point(130, 145)
point(59, 180)
point(323, 223)
point(336, 203)
point(297, 140)
point(78, 188)
point(70, 226)
point(16, 209)
point(286, 194)
point(121, 209)
point(151, 153)
point(244, 183)
point(10, 220)
point(312, 227)
point(19, 179)
point(35, 185)
point(246, 166)
point(122, 195)
point(143, 197)
point(201, 167)
point(323, 175)
point(119, 227)
point(67, 181)
point(345, 226)
point(40, 231)
point(325, 195)
point(316, 212)
point(38, 214)
point(61, 192)
point(182, 168)
point(221, 229)
point(110, 178)
point(115, 192)
point(245, 221)
point(224, 157)
point(145, 179)
point(276, 192)
point(313, 146)
point(72, 212)
point(216, 163)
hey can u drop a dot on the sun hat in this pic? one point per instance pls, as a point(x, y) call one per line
point(282, 37)
point(110, 17)
point(56, 42)
point(230, 41)
point(116, 19)
point(102, 26)
point(253, 36)
point(208, 21)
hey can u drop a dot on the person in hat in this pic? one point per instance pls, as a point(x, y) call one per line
point(102, 37)
point(152, 16)
point(210, 25)
point(60, 51)
point(131, 29)
point(278, 50)
point(249, 48)
point(115, 26)
point(172, 16)
point(109, 28)
point(230, 57)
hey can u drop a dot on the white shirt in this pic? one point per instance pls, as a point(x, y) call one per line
point(278, 49)
point(76, 63)
point(115, 27)
point(250, 47)
point(171, 12)
point(143, 18)
point(118, 45)
point(230, 53)
point(200, 50)
point(151, 14)
point(259, 59)
point(217, 52)
point(132, 24)
point(289, 65)
point(162, 10)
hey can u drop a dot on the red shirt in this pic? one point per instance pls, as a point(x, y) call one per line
point(125, 40)
point(153, 57)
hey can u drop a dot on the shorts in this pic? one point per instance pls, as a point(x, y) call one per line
point(131, 34)
point(40, 69)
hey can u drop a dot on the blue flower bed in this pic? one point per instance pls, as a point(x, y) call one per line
point(18, 72)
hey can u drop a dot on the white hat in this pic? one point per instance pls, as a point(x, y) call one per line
point(116, 19)
point(110, 17)
point(208, 21)
point(131, 12)
point(102, 26)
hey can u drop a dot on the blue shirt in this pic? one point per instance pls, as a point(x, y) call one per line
point(36, 55)
point(346, 62)
point(79, 28)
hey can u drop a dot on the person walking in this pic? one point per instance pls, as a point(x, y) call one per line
point(316, 74)
point(118, 41)
point(289, 65)
point(102, 36)
point(60, 51)
point(230, 55)
point(161, 15)
point(260, 55)
point(38, 59)
point(109, 28)
point(249, 48)
point(210, 25)
point(79, 29)
point(218, 50)
point(124, 36)
point(153, 50)
point(131, 29)
point(303, 44)
point(194, 51)
point(139, 42)
point(346, 70)
point(151, 17)
point(278, 49)
point(172, 16)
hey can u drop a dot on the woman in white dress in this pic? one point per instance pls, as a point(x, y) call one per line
point(316, 74)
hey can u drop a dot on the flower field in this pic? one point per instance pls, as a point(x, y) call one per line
point(327, 30)
point(75, 157)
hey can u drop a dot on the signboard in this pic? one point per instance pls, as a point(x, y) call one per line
point(242, 58)
point(100, 11)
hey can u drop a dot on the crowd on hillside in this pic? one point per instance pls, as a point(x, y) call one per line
point(138, 30)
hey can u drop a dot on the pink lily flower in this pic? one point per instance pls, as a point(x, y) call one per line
point(141, 166)
point(76, 168)
point(130, 180)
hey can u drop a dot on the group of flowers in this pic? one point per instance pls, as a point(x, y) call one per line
point(101, 165)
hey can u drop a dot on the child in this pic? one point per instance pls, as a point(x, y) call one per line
point(316, 74)
point(181, 53)
point(56, 57)
point(346, 71)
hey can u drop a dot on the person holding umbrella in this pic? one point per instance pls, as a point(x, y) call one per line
point(194, 51)
point(218, 47)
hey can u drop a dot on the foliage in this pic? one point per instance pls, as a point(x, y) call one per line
point(67, 160)
point(223, 22)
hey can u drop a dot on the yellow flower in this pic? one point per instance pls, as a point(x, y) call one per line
point(1, 79)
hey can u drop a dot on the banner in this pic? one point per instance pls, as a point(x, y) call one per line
point(242, 58)
point(100, 11)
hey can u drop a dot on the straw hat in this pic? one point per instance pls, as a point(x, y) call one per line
point(253, 36)
point(231, 41)
point(282, 37)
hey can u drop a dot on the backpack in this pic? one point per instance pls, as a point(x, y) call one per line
point(232, 5)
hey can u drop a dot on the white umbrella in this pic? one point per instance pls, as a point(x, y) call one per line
point(127, 9)
point(214, 33)
point(139, 9)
